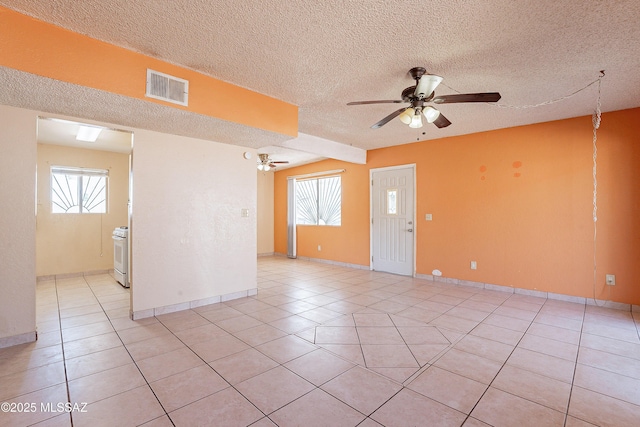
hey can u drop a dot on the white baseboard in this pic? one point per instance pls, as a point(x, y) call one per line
point(531, 292)
point(142, 314)
point(499, 288)
point(18, 339)
point(71, 275)
point(338, 263)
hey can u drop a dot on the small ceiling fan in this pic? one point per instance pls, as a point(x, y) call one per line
point(422, 93)
point(266, 164)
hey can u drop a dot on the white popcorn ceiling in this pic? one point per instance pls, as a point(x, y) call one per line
point(320, 55)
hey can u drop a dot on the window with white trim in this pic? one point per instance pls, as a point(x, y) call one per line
point(319, 201)
point(78, 190)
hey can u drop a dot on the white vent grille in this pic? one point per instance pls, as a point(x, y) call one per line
point(167, 88)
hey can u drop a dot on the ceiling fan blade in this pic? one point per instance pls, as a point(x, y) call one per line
point(376, 102)
point(388, 118)
point(281, 161)
point(426, 85)
point(441, 121)
point(467, 97)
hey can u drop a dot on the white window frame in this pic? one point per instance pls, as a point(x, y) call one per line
point(318, 202)
point(82, 173)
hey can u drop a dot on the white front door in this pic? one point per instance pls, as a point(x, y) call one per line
point(392, 220)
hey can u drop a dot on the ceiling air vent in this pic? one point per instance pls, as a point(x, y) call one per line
point(167, 88)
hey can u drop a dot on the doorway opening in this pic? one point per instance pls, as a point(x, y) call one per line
point(82, 196)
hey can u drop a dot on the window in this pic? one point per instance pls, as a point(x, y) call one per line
point(392, 201)
point(78, 190)
point(318, 201)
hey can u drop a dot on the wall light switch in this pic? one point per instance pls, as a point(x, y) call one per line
point(428, 217)
point(244, 213)
point(474, 265)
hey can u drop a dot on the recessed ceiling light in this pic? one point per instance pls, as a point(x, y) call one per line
point(88, 133)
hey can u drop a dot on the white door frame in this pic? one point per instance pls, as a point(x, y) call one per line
point(415, 222)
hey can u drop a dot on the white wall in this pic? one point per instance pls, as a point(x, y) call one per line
point(190, 241)
point(265, 213)
point(17, 225)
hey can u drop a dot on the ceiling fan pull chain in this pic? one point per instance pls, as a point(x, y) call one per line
point(553, 101)
point(596, 120)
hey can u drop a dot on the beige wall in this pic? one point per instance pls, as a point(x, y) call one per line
point(74, 243)
point(189, 239)
point(265, 213)
point(17, 226)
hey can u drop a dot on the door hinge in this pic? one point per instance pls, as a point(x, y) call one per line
point(372, 183)
point(371, 258)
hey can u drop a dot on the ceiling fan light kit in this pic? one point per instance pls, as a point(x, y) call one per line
point(416, 120)
point(430, 113)
point(266, 164)
point(420, 94)
point(407, 115)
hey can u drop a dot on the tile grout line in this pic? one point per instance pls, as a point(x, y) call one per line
point(315, 386)
point(64, 359)
point(402, 386)
point(210, 367)
point(505, 362)
point(355, 325)
point(420, 369)
point(366, 307)
point(268, 416)
point(533, 321)
point(451, 346)
point(132, 359)
point(498, 373)
point(575, 368)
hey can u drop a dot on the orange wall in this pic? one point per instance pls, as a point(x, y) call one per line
point(348, 243)
point(36, 47)
point(518, 201)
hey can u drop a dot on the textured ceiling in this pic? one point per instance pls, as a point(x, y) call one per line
point(321, 55)
point(26, 90)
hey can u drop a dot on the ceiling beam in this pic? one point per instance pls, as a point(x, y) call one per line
point(326, 148)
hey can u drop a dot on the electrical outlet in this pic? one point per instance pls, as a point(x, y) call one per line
point(474, 265)
point(319, 248)
point(610, 279)
point(428, 217)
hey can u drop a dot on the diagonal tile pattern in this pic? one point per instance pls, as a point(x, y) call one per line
point(326, 345)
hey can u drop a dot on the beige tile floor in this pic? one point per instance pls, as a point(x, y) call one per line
point(323, 345)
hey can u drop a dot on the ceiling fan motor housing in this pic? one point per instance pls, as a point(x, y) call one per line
point(417, 72)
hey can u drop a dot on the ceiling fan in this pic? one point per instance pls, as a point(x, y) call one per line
point(422, 93)
point(266, 164)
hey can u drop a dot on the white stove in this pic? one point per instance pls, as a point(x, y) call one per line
point(120, 238)
point(121, 231)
